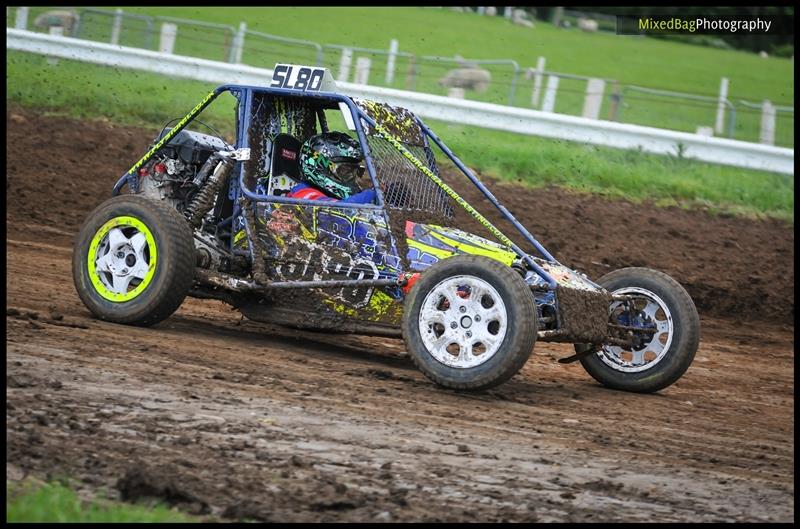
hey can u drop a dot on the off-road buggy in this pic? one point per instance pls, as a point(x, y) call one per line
point(212, 220)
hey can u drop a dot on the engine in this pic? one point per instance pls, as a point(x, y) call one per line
point(172, 174)
point(189, 173)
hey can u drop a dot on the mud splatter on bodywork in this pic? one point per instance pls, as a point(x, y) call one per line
point(427, 243)
point(398, 121)
point(305, 243)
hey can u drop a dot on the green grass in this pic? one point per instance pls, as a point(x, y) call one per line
point(631, 60)
point(54, 502)
point(424, 31)
point(629, 174)
point(85, 90)
point(137, 98)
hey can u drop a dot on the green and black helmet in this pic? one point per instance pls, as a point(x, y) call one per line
point(332, 162)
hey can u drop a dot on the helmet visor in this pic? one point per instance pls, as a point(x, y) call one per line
point(348, 171)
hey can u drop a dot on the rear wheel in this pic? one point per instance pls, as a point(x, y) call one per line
point(665, 327)
point(133, 260)
point(469, 322)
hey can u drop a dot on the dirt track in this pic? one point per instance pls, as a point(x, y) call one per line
point(244, 420)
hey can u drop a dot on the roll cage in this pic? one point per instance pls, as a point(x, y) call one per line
point(245, 95)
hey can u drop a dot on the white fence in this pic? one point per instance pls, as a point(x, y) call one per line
point(486, 115)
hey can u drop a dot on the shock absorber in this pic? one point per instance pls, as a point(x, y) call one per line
point(219, 164)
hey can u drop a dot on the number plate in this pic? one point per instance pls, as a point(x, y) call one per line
point(299, 78)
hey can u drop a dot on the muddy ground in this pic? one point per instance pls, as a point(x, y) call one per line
point(239, 420)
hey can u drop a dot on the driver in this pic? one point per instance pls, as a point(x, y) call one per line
point(331, 168)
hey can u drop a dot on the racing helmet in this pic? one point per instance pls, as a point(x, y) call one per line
point(332, 162)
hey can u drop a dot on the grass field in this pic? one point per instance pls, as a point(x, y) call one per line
point(630, 60)
point(54, 502)
point(138, 98)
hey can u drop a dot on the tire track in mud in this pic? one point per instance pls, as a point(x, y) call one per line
point(549, 411)
point(148, 412)
point(331, 411)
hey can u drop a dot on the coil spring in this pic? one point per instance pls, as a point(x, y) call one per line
point(204, 199)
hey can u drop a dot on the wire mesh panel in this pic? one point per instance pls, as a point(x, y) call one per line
point(675, 111)
point(784, 129)
point(750, 121)
point(492, 81)
point(264, 51)
point(271, 116)
point(200, 39)
point(125, 29)
point(404, 186)
point(381, 68)
point(402, 178)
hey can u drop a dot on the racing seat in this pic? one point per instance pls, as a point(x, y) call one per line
point(284, 167)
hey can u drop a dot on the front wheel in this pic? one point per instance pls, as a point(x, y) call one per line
point(133, 260)
point(469, 322)
point(664, 326)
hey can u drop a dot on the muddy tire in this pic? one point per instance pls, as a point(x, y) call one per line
point(133, 261)
point(469, 322)
point(661, 355)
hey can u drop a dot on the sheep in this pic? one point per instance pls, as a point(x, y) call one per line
point(522, 22)
point(65, 19)
point(587, 24)
point(520, 18)
point(468, 78)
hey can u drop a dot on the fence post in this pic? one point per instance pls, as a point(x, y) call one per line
point(76, 28)
point(594, 98)
point(767, 123)
point(362, 70)
point(537, 82)
point(616, 99)
point(116, 26)
point(513, 91)
point(237, 46)
point(723, 96)
point(732, 121)
point(344, 65)
point(148, 34)
point(393, 47)
point(58, 31)
point(21, 21)
point(168, 33)
point(240, 48)
point(411, 73)
point(558, 12)
point(549, 102)
point(232, 49)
